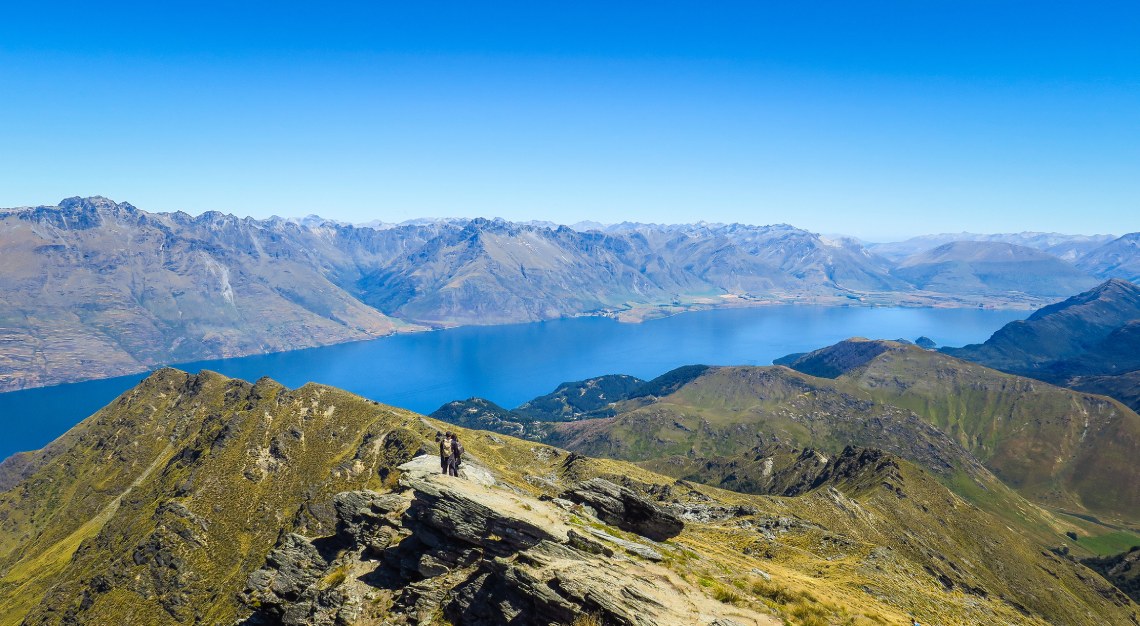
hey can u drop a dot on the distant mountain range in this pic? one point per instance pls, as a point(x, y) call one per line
point(1119, 258)
point(993, 268)
point(1065, 247)
point(94, 288)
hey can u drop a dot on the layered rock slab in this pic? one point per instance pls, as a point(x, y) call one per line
point(474, 555)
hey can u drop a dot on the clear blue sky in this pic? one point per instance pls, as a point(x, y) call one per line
point(878, 119)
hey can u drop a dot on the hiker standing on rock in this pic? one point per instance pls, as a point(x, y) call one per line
point(456, 455)
point(445, 445)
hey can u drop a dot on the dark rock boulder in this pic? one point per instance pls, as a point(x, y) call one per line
point(621, 507)
point(281, 589)
point(366, 518)
point(460, 517)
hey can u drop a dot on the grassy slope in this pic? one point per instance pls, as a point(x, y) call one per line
point(969, 551)
point(1064, 330)
point(1122, 569)
point(1030, 434)
point(1059, 447)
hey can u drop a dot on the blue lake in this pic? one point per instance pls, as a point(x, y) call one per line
point(514, 363)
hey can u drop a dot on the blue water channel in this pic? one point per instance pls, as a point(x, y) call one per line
point(514, 363)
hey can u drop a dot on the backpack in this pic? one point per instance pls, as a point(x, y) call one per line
point(457, 449)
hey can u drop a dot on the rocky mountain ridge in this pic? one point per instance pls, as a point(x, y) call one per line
point(481, 556)
point(94, 288)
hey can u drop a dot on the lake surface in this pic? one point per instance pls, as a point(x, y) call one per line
point(514, 363)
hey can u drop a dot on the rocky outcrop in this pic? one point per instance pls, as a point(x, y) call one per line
point(1122, 570)
point(625, 509)
point(428, 465)
point(283, 588)
point(480, 555)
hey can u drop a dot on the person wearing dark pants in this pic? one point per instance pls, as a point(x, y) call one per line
point(445, 447)
point(456, 456)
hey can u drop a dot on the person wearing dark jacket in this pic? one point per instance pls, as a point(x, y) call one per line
point(456, 455)
point(445, 447)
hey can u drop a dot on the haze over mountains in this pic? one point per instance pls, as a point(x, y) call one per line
point(1065, 247)
point(991, 268)
point(94, 288)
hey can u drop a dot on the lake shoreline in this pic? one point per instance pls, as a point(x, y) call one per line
point(634, 314)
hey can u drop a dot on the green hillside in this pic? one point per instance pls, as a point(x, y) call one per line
point(1056, 446)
